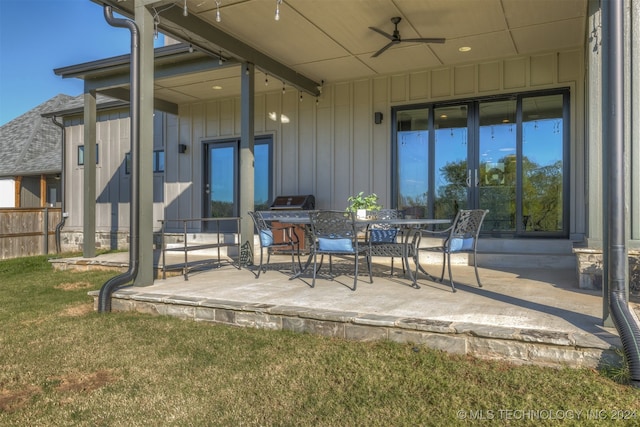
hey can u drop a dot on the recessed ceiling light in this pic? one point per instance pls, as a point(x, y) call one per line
point(464, 49)
point(505, 120)
point(216, 87)
point(443, 116)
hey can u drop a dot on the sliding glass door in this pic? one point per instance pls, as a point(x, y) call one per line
point(506, 154)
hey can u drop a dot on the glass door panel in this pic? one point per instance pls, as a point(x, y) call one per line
point(222, 185)
point(451, 152)
point(262, 176)
point(495, 176)
point(542, 163)
point(507, 155)
point(412, 143)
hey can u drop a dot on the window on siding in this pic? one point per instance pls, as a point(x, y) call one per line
point(158, 162)
point(81, 154)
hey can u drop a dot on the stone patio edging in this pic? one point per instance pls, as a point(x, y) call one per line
point(515, 345)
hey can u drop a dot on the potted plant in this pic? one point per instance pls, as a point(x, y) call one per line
point(360, 204)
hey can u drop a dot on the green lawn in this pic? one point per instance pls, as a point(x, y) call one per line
point(63, 364)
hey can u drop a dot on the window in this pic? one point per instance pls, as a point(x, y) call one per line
point(81, 154)
point(158, 162)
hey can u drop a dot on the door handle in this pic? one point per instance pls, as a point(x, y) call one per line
point(477, 178)
point(469, 178)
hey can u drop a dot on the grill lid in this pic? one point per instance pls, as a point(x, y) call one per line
point(306, 202)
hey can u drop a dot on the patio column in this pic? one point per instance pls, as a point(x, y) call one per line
point(247, 113)
point(144, 21)
point(89, 201)
point(593, 130)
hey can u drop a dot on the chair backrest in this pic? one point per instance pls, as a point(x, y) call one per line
point(264, 232)
point(334, 230)
point(465, 229)
point(384, 233)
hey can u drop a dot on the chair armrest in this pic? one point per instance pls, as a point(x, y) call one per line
point(437, 233)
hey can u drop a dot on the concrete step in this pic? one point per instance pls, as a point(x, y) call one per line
point(526, 253)
point(517, 253)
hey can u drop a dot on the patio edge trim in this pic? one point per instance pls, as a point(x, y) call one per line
point(520, 346)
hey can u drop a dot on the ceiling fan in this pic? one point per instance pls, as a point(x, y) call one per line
point(395, 37)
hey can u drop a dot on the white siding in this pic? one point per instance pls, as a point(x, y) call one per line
point(7, 193)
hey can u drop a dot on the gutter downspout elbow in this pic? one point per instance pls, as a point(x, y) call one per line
point(63, 213)
point(104, 298)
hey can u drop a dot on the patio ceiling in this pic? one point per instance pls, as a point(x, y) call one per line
point(330, 40)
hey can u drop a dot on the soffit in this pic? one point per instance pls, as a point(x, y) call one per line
point(330, 40)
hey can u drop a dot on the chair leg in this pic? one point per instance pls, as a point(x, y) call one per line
point(475, 266)
point(313, 280)
point(453, 287)
point(268, 259)
point(355, 275)
point(298, 255)
point(260, 267)
point(293, 260)
point(369, 265)
point(444, 261)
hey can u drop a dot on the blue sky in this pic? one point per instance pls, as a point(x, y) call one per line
point(37, 36)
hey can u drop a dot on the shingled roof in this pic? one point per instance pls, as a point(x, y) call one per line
point(30, 144)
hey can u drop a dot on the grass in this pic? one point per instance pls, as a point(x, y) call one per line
point(63, 364)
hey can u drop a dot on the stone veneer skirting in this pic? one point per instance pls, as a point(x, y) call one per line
point(520, 346)
point(589, 270)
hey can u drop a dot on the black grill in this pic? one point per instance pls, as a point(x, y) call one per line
point(302, 202)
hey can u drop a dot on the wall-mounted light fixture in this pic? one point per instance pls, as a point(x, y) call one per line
point(377, 117)
point(182, 148)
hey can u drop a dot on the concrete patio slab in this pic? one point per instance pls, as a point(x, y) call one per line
point(521, 315)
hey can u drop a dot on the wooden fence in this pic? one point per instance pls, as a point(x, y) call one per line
point(28, 231)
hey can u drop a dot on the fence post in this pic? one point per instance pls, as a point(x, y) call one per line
point(45, 226)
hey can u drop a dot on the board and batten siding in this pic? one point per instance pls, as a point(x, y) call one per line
point(112, 182)
point(332, 148)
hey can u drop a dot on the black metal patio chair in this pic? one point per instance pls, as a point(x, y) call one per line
point(461, 237)
point(385, 240)
point(275, 238)
point(335, 233)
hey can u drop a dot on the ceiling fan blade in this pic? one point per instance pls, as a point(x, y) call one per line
point(384, 48)
point(389, 36)
point(425, 40)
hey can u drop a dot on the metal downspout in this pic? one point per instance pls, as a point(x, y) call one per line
point(617, 261)
point(63, 215)
point(104, 298)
